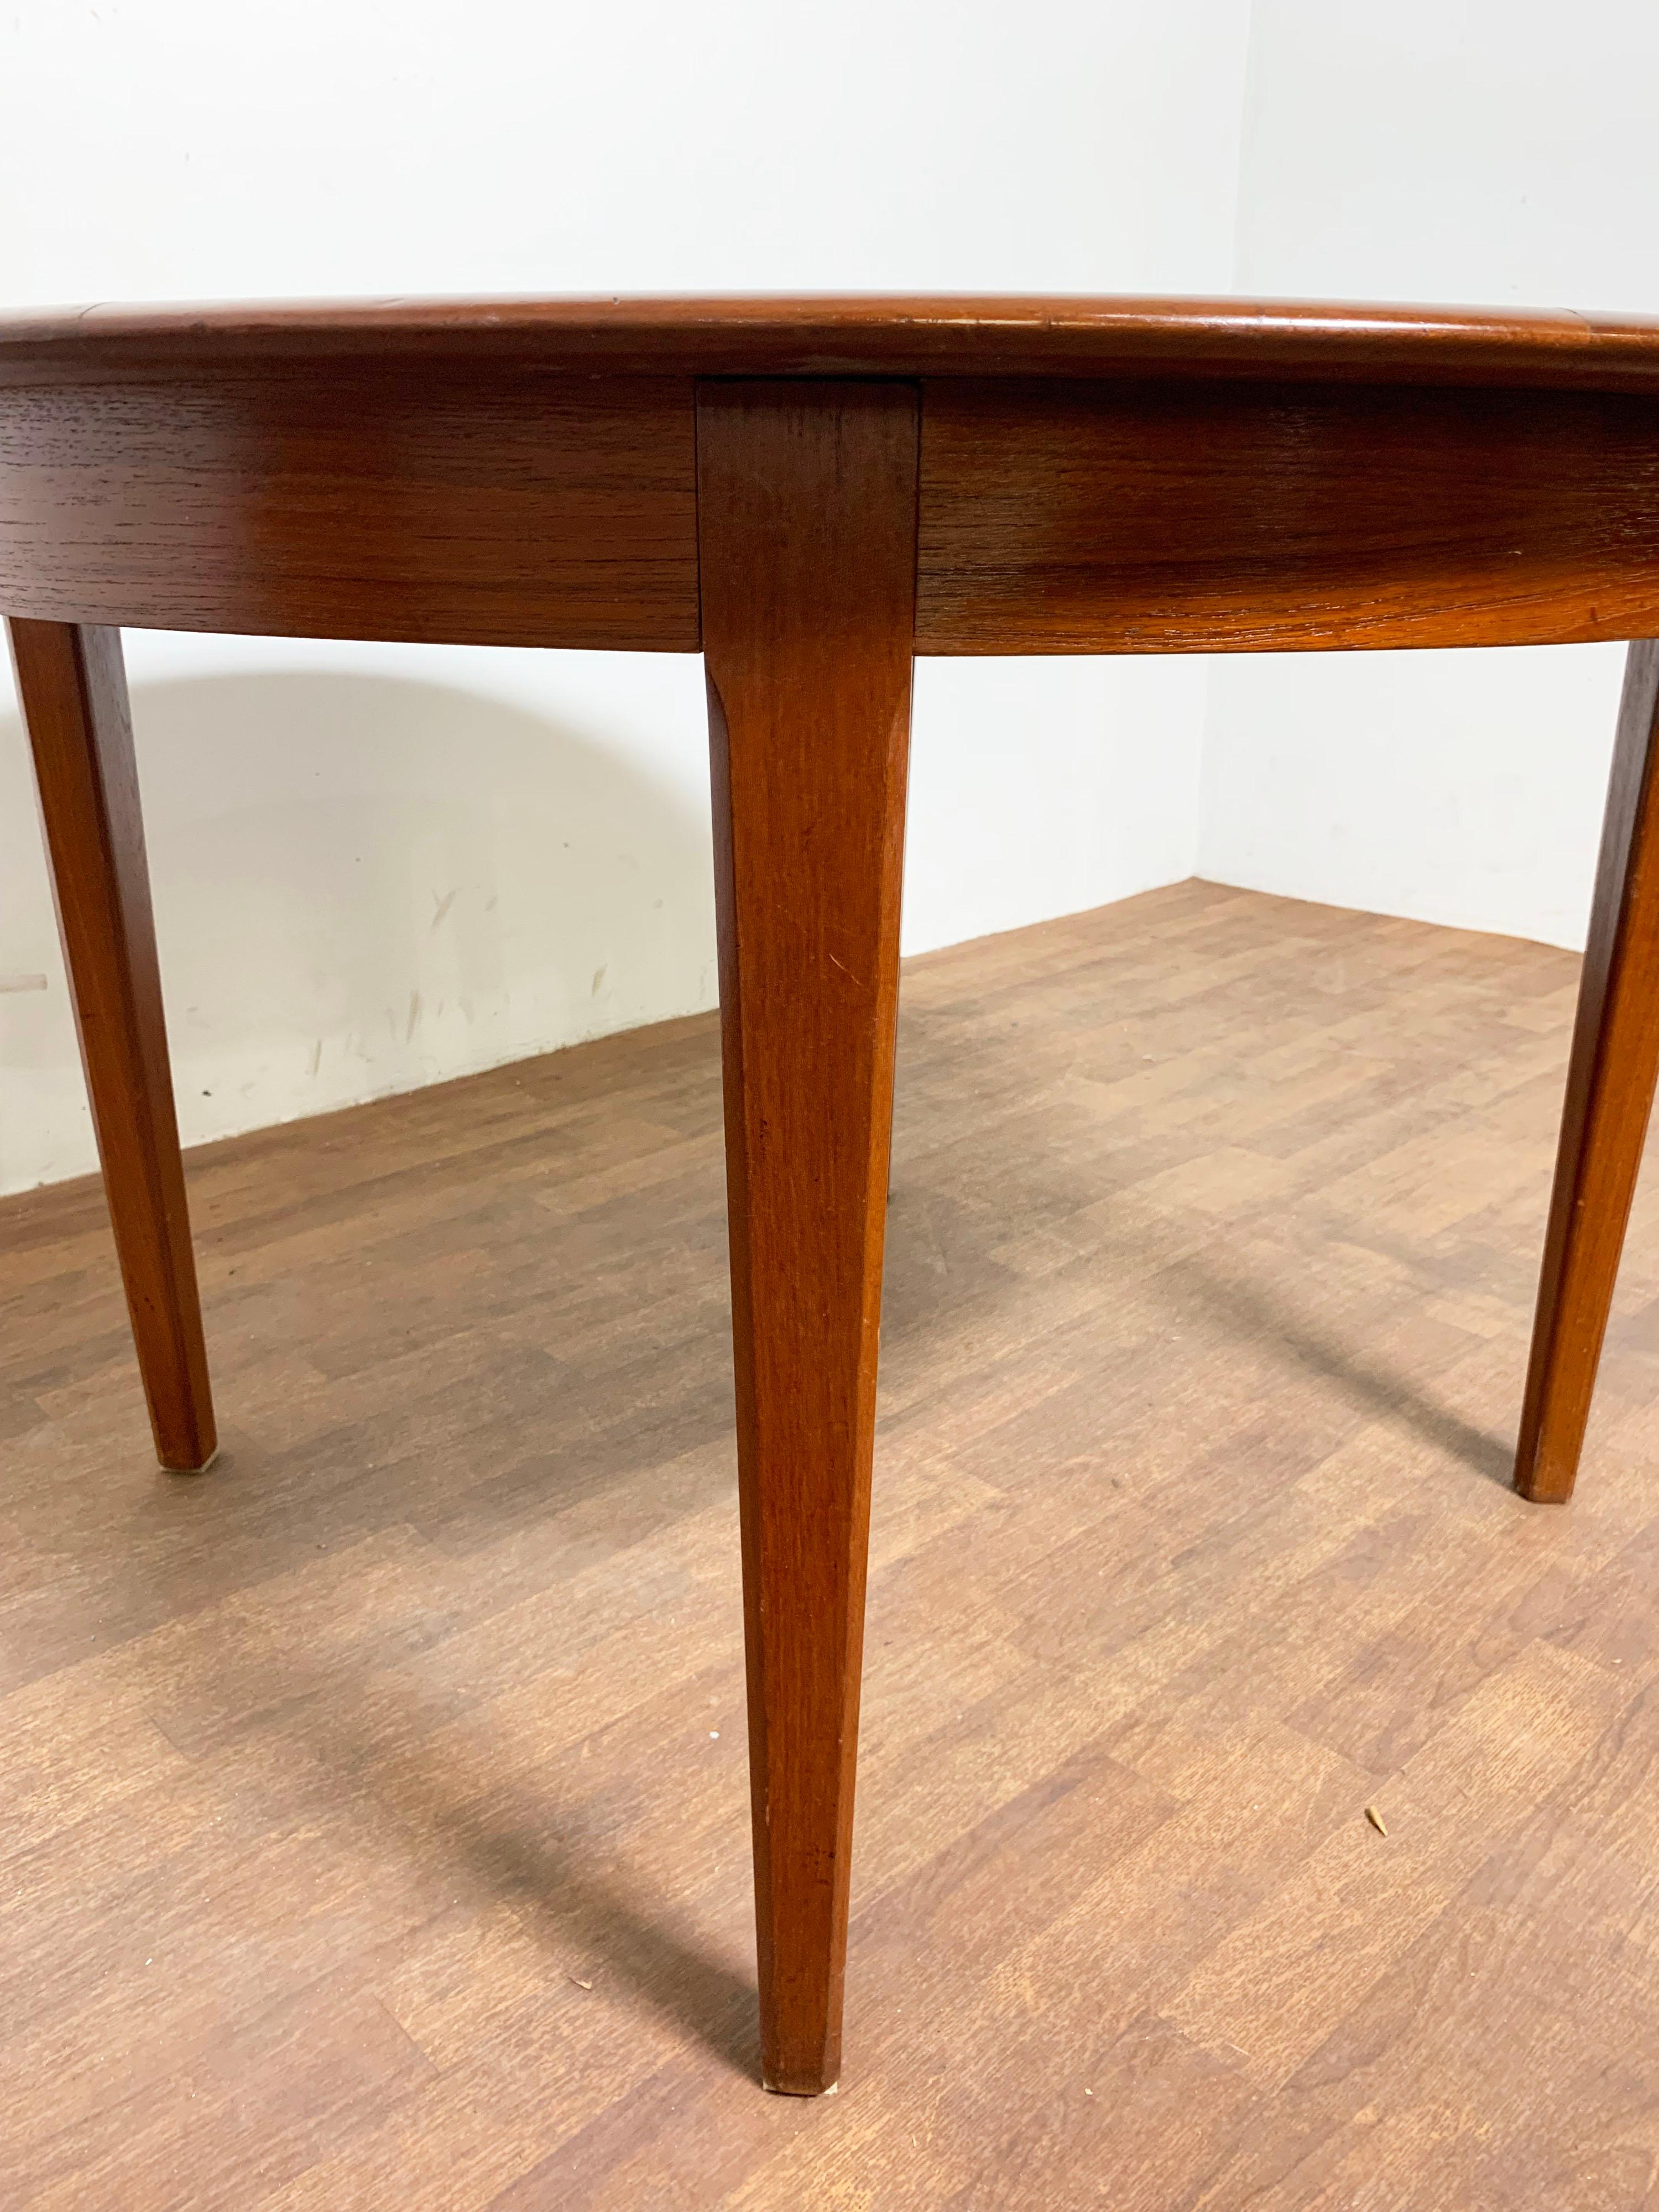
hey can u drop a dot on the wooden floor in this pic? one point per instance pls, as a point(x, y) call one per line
point(375, 1818)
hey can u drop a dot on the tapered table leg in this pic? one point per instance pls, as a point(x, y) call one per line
point(1610, 1087)
point(75, 704)
point(807, 501)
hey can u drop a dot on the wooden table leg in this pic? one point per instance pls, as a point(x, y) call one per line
point(1610, 1087)
point(75, 703)
point(807, 501)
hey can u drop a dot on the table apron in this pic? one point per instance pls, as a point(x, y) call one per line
point(493, 505)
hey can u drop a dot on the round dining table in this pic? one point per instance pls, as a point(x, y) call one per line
point(810, 492)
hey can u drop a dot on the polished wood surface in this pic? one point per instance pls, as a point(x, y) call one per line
point(366, 1846)
point(807, 506)
point(74, 694)
point(491, 512)
point(496, 505)
point(1193, 517)
point(853, 334)
point(1610, 1086)
point(1077, 476)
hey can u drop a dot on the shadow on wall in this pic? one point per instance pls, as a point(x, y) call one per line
point(365, 883)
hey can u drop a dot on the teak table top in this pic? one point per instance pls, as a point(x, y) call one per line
point(852, 334)
point(1093, 476)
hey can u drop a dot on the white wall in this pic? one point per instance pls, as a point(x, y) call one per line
point(1480, 150)
point(376, 866)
